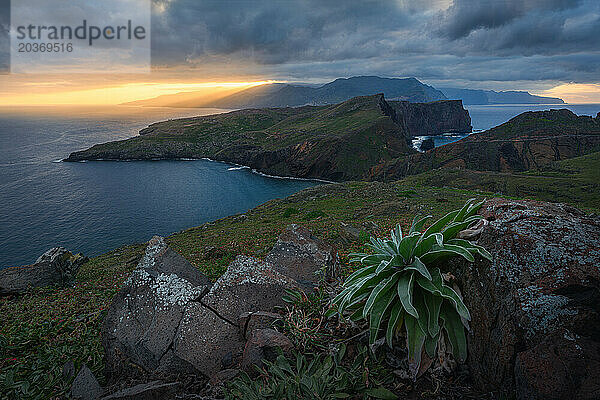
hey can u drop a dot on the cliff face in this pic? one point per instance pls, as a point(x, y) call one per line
point(434, 118)
point(528, 141)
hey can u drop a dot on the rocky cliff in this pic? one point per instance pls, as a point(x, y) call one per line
point(434, 118)
point(528, 141)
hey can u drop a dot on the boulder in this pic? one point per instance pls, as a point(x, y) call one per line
point(209, 337)
point(57, 266)
point(141, 322)
point(85, 386)
point(535, 308)
point(427, 144)
point(264, 344)
point(303, 257)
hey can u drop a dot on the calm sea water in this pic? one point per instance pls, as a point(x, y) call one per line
point(94, 207)
point(485, 117)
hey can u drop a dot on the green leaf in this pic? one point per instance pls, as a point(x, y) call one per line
point(437, 226)
point(431, 343)
point(418, 223)
point(379, 292)
point(425, 244)
point(415, 338)
point(407, 246)
point(379, 309)
point(456, 332)
point(471, 247)
point(460, 251)
point(433, 304)
point(381, 393)
point(395, 318)
point(450, 294)
point(418, 266)
point(405, 290)
point(474, 208)
point(421, 308)
point(463, 211)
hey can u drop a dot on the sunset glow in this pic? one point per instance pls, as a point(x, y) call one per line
point(575, 92)
point(42, 93)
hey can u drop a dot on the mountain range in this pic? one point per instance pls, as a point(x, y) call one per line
point(337, 91)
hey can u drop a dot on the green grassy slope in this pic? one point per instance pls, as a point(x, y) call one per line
point(49, 326)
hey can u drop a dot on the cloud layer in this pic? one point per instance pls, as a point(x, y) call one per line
point(471, 40)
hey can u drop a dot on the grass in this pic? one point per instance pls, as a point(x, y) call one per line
point(47, 327)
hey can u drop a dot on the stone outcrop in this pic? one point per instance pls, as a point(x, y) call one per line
point(168, 320)
point(144, 316)
point(57, 266)
point(85, 386)
point(435, 118)
point(535, 308)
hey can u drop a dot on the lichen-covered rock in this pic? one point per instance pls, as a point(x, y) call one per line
point(303, 257)
point(57, 266)
point(535, 314)
point(209, 337)
point(249, 321)
point(141, 323)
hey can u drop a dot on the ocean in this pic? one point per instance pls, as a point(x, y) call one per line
point(97, 206)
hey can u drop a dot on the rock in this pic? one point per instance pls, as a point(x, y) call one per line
point(209, 337)
point(535, 313)
point(85, 386)
point(57, 266)
point(249, 321)
point(263, 345)
point(427, 144)
point(351, 233)
point(557, 368)
point(154, 390)
point(224, 376)
point(141, 323)
point(303, 257)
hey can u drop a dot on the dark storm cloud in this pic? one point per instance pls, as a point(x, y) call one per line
point(474, 40)
point(4, 38)
point(466, 16)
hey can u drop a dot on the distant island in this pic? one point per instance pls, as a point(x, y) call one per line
point(483, 97)
point(339, 90)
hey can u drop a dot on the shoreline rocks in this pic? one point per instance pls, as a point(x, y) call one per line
point(57, 266)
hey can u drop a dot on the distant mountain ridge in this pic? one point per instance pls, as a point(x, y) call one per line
point(289, 95)
point(483, 97)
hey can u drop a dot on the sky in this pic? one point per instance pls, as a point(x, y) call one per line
point(547, 47)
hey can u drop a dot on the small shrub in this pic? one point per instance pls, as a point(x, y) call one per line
point(396, 287)
point(319, 377)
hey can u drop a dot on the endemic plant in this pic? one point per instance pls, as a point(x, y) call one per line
point(401, 285)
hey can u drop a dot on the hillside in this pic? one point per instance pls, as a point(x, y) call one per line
point(288, 95)
point(337, 142)
point(529, 141)
point(475, 96)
